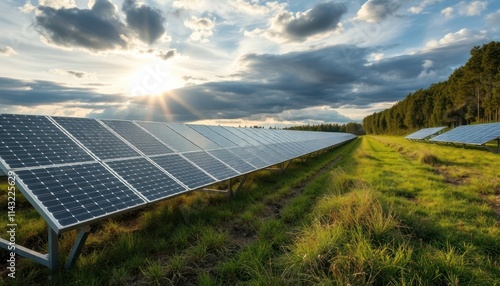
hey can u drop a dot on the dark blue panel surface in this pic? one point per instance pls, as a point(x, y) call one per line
point(79, 193)
point(99, 140)
point(146, 178)
point(138, 137)
point(184, 171)
point(29, 141)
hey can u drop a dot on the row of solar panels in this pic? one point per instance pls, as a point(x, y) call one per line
point(78, 170)
point(478, 134)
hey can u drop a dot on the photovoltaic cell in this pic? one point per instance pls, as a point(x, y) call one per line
point(99, 140)
point(77, 194)
point(138, 137)
point(233, 160)
point(211, 165)
point(229, 135)
point(184, 171)
point(477, 134)
point(193, 136)
point(250, 155)
point(214, 136)
point(169, 137)
point(146, 178)
point(29, 141)
point(424, 133)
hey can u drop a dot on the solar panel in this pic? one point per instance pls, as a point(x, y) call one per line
point(238, 132)
point(184, 171)
point(424, 133)
point(96, 138)
point(193, 136)
point(232, 160)
point(146, 178)
point(250, 155)
point(214, 136)
point(478, 134)
point(169, 137)
point(211, 165)
point(77, 194)
point(229, 135)
point(29, 141)
point(138, 137)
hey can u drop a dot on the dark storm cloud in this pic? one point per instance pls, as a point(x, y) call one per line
point(96, 29)
point(99, 28)
point(35, 93)
point(321, 18)
point(145, 21)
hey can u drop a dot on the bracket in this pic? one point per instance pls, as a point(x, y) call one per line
point(51, 259)
point(229, 189)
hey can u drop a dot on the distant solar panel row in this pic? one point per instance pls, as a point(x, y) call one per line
point(424, 133)
point(478, 134)
point(79, 170)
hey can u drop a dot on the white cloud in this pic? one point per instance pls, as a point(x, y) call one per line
point(474, 8)
point(471, 9)
point(493, 18)
point(420, 8)
point(451, 38)
point(58, 4)
point(27, 7)
point(202, 28)
point(375, 11)
point(427, 64)
point(448, 12)
point(7, 51)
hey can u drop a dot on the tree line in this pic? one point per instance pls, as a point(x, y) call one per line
point(351, 127)
point(470, 95)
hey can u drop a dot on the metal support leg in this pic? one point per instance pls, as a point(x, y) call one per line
point(230, 188)
point(245, 177)
point(498, 149)
point(77, 247)
point(53, 254)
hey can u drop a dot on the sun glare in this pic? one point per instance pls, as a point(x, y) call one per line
point(154, 79)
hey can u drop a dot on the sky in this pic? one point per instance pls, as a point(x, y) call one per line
point(231, 62)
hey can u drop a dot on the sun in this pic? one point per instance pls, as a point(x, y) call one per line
point(153, 80)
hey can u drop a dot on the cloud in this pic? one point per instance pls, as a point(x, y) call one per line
point(448, 12)
point(73, 73)
point(474, 8)
point(464, 35)
point(145, 21)
point(164, 55)
point(421, 7)
point(321, 19)
point(202, 28)
point(311, 115)
point(375, 11)
point(99, 28)
point(17, 92)
point(95, 29)
point(7, 51)
point(493, 18)
point(471, 9)
point(269, 85)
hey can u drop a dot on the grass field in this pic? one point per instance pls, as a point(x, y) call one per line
point(379, 210)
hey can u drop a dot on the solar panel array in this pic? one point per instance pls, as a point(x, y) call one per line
point(76, 171)
point(478, 134)
point(424, 133)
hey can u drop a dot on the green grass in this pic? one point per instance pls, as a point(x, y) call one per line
point(379, 210)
